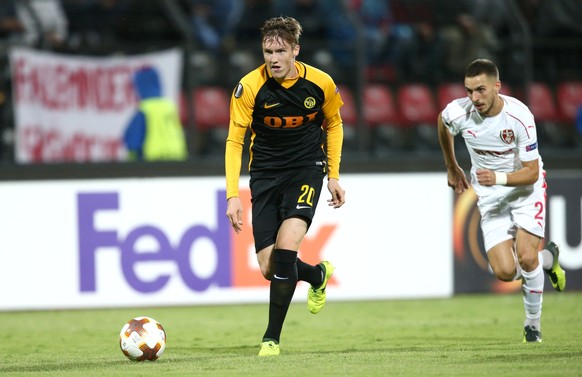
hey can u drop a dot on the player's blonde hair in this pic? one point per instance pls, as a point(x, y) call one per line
point(287, 29)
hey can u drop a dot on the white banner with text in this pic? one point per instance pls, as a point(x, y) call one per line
point(166, 241)
point(70, 108)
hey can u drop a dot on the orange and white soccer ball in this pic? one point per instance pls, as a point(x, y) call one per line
point(142, 338)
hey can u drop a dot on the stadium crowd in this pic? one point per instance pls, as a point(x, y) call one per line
point(359, 42)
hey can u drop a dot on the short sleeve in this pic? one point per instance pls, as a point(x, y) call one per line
point(527, 142)
point(447, 116)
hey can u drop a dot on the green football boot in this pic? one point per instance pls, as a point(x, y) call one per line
point(316, 297)
point(531, 335)
point(556, 274)
point(269, 348)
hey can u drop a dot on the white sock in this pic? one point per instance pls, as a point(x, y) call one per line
point(547, 259)
point(533, 289)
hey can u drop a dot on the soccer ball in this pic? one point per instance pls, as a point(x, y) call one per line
point(142, 338)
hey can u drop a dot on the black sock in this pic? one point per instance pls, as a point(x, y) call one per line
point(283, 286)
point(311, 274)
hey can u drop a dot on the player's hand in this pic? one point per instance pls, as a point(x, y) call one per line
point(234, 212)
point(485, 177)
point(338, 195)
point(457, 180)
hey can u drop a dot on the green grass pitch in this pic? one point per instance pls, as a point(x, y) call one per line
point(468, 335)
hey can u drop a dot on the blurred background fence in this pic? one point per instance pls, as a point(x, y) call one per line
point(397, 62)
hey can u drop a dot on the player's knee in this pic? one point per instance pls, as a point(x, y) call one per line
point(528, 262)
point(505, 273)
point(266, 265)
point(266, 270)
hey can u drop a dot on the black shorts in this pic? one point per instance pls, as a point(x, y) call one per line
point(275, 199)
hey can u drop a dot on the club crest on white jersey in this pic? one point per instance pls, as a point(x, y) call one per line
point(507, 136)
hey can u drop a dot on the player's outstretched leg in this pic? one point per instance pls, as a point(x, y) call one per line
point(316, 297)
point(269, 348)
point(556, 274)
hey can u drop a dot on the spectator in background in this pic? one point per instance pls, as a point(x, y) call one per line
point(244, 58)
point(384, 36)
point(463, 36)
point(314, 21)
point(400, 39)
point(253, 15)
point(420, 55)
point(214, 23)
point(505, 24)
point(77, 12)
point(11, 30)
point(154, 132)
point(10, 24)
point(45, 23)
point(93, 23)
point(147, 26)
point(341, 34)
point(560, 20)
point(376, 20)
point(415, 38)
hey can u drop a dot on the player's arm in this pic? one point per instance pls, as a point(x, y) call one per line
point(232, 167)
point(455, 175)
point(242, 103)
point(333, 127)
point(233, 157)
point(528, 174)
point(335, 137)
point(334, 142)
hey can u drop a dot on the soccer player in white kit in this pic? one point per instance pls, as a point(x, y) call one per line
point(508, 177)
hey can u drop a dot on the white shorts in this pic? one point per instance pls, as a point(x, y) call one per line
point(510, 208)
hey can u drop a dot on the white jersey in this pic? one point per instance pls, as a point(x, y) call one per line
point(499, 143)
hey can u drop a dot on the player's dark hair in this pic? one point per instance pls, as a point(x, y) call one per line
point(482, 66)
point(287, 29)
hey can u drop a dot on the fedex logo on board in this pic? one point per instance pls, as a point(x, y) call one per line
point(232, 262)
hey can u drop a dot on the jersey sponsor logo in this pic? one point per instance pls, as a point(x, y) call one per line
point(288, 121)
point(309, 102)
point(270, 105)
point(302, 207)
point(472, 133)
point(493, 153)
point(507, 136)
point(531, 147)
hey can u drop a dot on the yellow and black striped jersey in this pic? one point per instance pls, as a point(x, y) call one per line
point(290, 122)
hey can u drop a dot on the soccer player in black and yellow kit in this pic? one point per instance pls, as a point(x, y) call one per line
point(293, 113)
